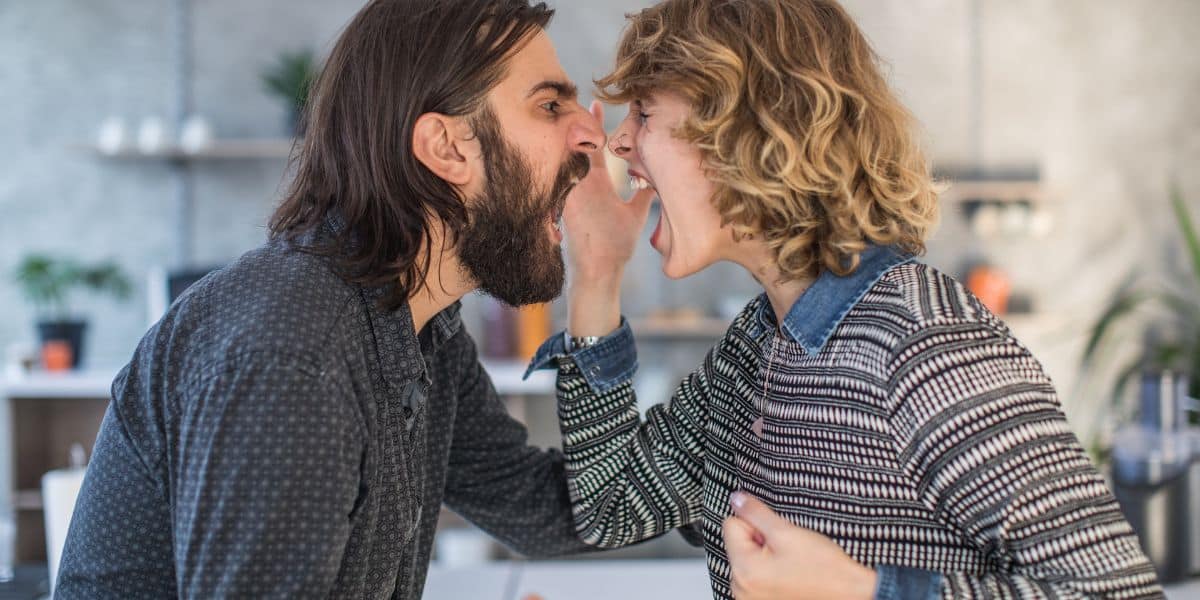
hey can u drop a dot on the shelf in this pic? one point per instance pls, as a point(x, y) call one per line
point(701, 328)
point(27, 500)
point(507, 377)
point(87, 384)
point(230, 149)
point(1000, 185)
point(995, 191)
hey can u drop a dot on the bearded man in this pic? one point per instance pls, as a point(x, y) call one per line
point(292, 425)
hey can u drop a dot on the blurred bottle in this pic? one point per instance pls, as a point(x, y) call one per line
point(1151, 462)
point(8, 541)
point(60, 490)
point(533, 327)
point(499, 329)
point(992, 286)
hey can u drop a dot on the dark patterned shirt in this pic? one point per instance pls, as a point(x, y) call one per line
point(277, 435)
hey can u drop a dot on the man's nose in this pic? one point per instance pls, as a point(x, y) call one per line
point(588, 133)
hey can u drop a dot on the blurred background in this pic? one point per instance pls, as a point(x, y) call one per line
point(146, 142)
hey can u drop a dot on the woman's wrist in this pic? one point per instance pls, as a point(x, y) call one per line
point(594, 306)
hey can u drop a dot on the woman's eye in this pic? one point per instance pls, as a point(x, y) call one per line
point(642, 117)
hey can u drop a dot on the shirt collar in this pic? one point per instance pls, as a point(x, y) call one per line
point(822, 307)
point(400, 346)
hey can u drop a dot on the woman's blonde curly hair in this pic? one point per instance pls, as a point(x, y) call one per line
point(804, 139)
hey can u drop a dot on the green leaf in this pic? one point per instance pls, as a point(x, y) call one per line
point(47, 281)
point(1168, 356)
point(291, 76)
point(1119, 386)
point(1188, 228)
point(1123, 304)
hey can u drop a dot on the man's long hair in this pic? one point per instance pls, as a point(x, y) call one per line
point(396, 60)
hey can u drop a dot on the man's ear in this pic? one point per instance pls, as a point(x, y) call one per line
point(439, 142)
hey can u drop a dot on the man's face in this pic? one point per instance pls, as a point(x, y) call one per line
point(533, 137)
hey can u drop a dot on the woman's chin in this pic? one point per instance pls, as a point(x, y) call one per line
point(673, 270)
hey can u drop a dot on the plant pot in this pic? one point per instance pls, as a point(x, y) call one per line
point(69, 332)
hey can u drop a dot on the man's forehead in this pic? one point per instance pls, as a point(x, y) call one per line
point(535, 67)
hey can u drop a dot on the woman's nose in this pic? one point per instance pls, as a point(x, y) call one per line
point(619, 143)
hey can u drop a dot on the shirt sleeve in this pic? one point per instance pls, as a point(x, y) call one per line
point(980, 431)
point(269, 464)
point(630, 479)
point(496, 480)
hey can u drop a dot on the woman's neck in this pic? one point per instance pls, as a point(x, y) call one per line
point(754, 256)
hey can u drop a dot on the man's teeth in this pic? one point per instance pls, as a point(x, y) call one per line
point(638, 183)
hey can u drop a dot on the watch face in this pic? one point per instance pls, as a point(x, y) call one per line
point(583, 342)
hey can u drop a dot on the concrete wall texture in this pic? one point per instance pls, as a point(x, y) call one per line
point(1100, 94)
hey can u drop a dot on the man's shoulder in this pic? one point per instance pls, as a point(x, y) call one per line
point(271, 298)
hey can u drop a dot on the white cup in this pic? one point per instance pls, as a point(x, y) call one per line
point(111, 137)
point(196, 134)
point(152, 135)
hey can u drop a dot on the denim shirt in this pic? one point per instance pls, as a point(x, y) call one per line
point(810, 322)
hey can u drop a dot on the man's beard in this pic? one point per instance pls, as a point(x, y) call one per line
point(505, 247)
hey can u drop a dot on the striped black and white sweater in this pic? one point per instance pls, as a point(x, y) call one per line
point(912, 429)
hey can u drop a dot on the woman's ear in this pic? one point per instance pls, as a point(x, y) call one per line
point(439, 142)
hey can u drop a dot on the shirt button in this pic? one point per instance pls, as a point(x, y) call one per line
point(595, 370)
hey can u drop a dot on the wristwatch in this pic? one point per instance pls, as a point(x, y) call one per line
point(579, 343)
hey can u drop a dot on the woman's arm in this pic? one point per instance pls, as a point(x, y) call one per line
point(980, 431)
point(630, 479)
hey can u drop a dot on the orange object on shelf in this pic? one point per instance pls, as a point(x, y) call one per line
point(57, 355)
point(533, 327)
point(991, 286)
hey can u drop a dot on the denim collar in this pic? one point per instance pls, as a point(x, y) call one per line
point(820, 309)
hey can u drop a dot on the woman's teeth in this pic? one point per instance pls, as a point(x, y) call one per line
point(638, 183)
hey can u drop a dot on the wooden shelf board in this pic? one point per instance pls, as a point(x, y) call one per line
point(27, 499)
point(229, 149)
point(703, 328)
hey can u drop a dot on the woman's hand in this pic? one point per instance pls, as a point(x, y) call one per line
point(602, 230)
point(771, 558)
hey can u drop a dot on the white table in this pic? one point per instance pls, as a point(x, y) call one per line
point(604, 580)
point(571, 580)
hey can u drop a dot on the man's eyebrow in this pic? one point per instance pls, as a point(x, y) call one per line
point(565, 89)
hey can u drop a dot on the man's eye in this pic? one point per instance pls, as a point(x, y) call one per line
point(552, 107)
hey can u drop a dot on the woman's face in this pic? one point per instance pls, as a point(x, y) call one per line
point(688, 235)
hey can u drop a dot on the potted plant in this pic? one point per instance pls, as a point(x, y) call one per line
point(49, 283)
point(289, 78)
point(1172, 343)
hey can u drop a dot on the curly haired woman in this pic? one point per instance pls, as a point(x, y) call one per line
point(865, 427)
